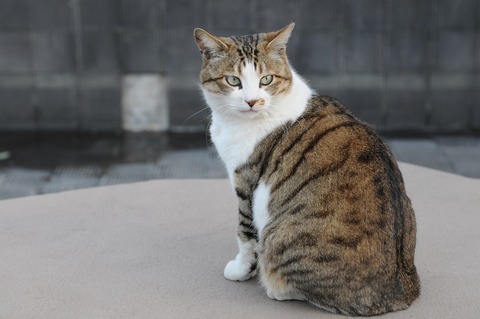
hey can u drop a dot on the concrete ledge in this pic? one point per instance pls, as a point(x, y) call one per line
point(157, 250)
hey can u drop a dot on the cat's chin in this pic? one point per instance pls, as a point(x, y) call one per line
point(250, 114)
point(248, 111)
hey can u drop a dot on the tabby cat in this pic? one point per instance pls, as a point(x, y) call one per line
point(323, 213)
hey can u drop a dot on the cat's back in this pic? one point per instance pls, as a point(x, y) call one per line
point(341, 223)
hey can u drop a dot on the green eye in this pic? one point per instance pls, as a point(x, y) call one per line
point(266, 80)
point(233, 80)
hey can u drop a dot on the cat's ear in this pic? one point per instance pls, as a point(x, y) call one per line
point(277, 40)
point(209, 45)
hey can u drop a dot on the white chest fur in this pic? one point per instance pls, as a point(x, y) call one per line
point(236, 137)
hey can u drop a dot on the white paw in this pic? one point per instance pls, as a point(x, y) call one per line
point(290, 295)
point(237, 270)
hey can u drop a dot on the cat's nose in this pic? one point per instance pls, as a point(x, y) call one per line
point(251, 103)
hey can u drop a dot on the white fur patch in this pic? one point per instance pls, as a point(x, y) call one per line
point(236, 132)
point(261, 198)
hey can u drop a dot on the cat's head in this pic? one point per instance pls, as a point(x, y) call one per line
point(243, 76)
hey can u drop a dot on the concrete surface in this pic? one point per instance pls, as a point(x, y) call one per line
point(157, 250)
point(39, 164)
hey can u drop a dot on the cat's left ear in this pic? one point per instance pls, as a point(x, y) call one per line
point(277, 40)
point(209, 45)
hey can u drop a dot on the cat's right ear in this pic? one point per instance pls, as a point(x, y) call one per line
point(209, 45)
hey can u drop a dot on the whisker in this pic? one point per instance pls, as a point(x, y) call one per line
point(188, 118)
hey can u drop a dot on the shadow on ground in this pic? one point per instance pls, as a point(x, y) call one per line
point(51, 162)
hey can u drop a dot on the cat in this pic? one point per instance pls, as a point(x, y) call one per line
point(323, 213)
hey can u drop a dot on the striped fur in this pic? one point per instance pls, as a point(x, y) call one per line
point(323, 212)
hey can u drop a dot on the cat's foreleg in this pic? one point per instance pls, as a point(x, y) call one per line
point(244, 266)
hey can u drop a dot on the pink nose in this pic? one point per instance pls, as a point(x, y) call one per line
point(252, 102)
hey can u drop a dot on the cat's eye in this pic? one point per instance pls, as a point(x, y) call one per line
point(233, 80)
point(266, 80)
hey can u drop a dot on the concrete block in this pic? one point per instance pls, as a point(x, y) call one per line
point(14, 15)
point(52, 15)
point(99, 51)
point(53, 51)
point(455, 51)
point(15, 53)
point(144, 103)
point(143, 52)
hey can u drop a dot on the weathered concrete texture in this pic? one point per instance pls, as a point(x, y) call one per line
point(434, 43)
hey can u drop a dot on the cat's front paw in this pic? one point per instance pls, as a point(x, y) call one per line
point(237, 270)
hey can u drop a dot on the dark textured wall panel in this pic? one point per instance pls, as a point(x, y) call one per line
point(14, 15)
point(143, 36)
point(365, 104)
point(15, 52)
point(51, 15)
point(451, 108)
point(57, 100)
point(406, 109)
point(17, 111)
point(398, 64)
point(53, 51)
point(188, 102)
point(100, 100)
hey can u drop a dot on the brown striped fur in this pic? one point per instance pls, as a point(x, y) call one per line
point(341, 230)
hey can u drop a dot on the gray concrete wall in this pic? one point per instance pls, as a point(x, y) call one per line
point(398, 64)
